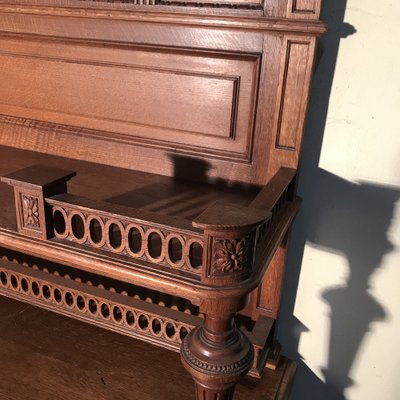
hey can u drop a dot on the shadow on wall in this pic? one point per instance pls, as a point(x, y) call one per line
point(340, 217)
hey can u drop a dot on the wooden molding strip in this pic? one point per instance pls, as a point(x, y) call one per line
point(254, 23)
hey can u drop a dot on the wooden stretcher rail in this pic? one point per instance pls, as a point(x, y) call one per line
point(143, 320)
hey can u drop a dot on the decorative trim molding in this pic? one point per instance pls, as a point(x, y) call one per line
point(188, 3)
point(238, 367)
point(240, 22)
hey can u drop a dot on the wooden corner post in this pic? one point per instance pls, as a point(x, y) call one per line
point(217, 354)
point(31, 186)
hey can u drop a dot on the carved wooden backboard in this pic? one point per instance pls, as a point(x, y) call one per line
point(134, 82)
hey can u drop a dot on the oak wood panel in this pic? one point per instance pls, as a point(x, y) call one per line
point(269, 293)
point(294, 75)
point(304, 6)
point(292, 102)
point(267, 98)
point(144, 96)
point(123, 4)
point(294, 9)
point(304, 9)
point(275, 8)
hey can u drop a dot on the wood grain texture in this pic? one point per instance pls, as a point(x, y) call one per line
point(234, 141)
point(119, 266)
point(308, 9)
point(294, 9)
point(292, 102)
point(58, 358)
point(124, 107)
point(217, 6)
point(292, 84)
point(199, 101)
point(276, 11)
point(154, 193)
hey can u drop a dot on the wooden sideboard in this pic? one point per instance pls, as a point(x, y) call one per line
point(149, 153)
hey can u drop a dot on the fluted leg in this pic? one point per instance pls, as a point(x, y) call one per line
point(207, 393)
point(217, 355)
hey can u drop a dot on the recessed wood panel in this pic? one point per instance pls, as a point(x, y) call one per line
point(116, 94)
point(292, 88)
point(305, 6)
point(304, 9)
point(150, 97)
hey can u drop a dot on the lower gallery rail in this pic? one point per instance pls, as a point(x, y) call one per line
point(161, 326)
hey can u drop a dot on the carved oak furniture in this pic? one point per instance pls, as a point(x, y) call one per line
point(150, 150)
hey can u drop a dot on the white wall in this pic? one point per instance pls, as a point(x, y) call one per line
point(341, 301)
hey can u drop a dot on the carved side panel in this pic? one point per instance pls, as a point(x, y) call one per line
point(295, 71)
point(30, 211)
point(294, 76)
point(268, 294)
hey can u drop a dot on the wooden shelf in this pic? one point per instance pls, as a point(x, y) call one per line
point(58, 358)
point(122, 187)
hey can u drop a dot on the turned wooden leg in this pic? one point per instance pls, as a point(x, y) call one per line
point(217, 355)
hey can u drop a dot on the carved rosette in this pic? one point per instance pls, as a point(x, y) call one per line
point(231, 256)
point(30, 211)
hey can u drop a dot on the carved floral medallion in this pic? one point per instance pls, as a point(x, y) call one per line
point(30, 208)
point(231, 256)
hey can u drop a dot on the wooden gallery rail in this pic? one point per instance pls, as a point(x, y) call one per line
point(215, 263)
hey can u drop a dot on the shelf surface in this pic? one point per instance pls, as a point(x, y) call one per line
point(160, 194)
point(56, 358)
